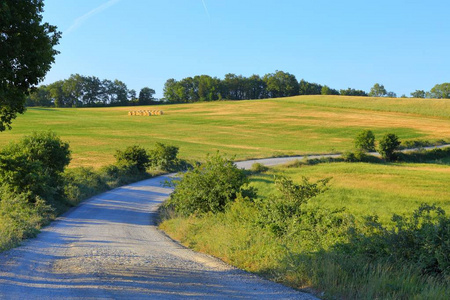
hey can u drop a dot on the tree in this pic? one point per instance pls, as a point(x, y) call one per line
point(388, 145)
point(365, 141)
point(353, 92)
point(26, 54)
point(133, 157)
point(326, 90)
point(281, 84)
point(418, 94)
point(391, 95)
point(440, 91)
point(377, 91)
point(146, 96)
point(307, 88)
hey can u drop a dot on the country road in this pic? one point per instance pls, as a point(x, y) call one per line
point(109, 248)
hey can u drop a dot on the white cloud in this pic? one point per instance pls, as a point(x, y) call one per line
point(79, 21)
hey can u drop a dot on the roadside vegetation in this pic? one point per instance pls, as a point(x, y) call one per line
point(340, 229)
point(36, 186)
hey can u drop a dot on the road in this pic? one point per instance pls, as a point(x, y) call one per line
point(109, 248)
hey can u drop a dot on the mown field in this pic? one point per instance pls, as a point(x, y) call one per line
point(246, 129)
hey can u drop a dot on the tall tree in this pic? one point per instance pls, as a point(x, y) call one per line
point(281, 84)
point(26, 54)
point(146, 96)
point(307, 88)
point(377, 90)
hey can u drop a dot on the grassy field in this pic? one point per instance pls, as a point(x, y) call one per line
point(247, 129)
point(365, 188)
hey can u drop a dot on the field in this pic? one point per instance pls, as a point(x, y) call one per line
point(366, 189)
point(246, 129)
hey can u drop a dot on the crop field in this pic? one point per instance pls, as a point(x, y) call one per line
point(246, 129)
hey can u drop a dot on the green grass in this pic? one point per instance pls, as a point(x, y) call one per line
point(363, 188)
point(382, 189)
point(246, 129)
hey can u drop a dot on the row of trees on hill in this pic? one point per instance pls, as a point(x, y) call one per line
point(238, 87)
point(88, 91)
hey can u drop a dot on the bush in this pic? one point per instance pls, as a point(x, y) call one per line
point(388, 144)
point(422, 239)
point(259, 168)
point(208, 187)
point(82, 183)
point(133, 156)
point(164, 157)
point(365, 141)
point(34, 166)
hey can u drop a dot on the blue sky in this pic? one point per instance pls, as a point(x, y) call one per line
point(404, 45)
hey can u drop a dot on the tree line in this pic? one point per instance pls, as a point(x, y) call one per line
point(88, 91)
point(238, 87)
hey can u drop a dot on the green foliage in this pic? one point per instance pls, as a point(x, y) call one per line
point(82, 183)
point(352, 92)
point(289, 208)
point(387, 146)
point(418, 94)
point(20, 219)
point(422, 239)
point(208, 187)
point(377, 91)
point(164, 157)
point(259, 168)
point(34, 166)
point(26, 54)
point(365, 141)
point(440, 91)
point(133, 156)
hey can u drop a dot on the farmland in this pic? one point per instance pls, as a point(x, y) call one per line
point(246, 129)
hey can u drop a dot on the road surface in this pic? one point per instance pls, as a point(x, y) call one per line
point(109, 248)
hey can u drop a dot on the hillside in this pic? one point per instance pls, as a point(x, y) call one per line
point(247, 129)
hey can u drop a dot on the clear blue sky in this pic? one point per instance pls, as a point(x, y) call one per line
point(404, 45)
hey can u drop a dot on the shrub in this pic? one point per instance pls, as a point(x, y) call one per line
point(388, 144)
point(259, 168)
point(34, 166)
point(82, 183)
point(421, 239)
point(164, 157)
point(365, 141)
point(208, 187)
point(133, 156)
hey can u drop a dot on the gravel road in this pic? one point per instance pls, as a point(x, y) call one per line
point(109, 248)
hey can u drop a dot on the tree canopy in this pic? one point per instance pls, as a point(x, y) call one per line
point(377, 90)
point(26, 54)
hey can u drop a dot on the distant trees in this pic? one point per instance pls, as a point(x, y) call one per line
point(26, 54)
point(238, 87)
point(352, 92)
point(418, 94)
point(440, 91)
point(88, 91)
point(377, 90)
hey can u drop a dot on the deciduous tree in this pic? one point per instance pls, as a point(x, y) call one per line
point(26, 54)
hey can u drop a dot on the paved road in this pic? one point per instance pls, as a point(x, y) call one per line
point(109, 248)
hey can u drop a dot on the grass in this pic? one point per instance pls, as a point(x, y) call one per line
point(363, 188)
point(246, 129)
point(382, 189)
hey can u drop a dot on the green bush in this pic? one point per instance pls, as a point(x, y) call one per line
point(259, 168)
point(164, 157)
point(82, 183)
point(365, 141)
point(34, 167)
point(388, 144)
point(208, 187)
point(422, 239)
point(133, 156)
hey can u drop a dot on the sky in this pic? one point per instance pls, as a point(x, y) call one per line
point(404, 45)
